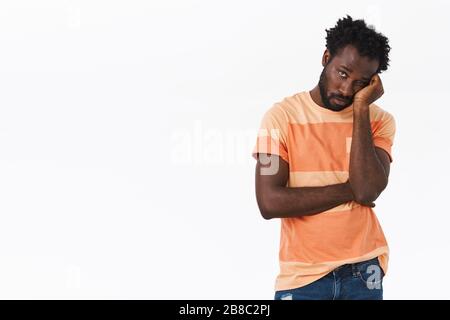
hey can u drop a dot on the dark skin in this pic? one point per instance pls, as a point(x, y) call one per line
point(352, 78)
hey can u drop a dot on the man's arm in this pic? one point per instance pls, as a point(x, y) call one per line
point(369, 165)
point(275, 200)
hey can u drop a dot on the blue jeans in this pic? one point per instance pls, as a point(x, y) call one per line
point(357, 281)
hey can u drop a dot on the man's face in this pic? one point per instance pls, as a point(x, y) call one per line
point(343, 76)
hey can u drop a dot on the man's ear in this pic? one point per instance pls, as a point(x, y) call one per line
point(326, 57)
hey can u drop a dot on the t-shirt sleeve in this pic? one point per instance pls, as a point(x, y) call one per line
point(384, 133)
point(272, 135)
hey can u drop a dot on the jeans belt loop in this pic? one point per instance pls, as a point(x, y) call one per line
point(355, 270)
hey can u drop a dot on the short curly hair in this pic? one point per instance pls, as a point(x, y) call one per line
point(366, 40)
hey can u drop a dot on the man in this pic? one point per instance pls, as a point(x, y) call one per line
point(323, 158)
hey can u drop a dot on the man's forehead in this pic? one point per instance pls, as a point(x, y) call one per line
point(350, 59)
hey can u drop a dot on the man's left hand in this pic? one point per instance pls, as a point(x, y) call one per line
point(370, 93)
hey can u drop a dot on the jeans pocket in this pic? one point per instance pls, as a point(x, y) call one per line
point(371, 273)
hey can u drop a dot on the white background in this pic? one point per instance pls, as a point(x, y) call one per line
point(126, 129)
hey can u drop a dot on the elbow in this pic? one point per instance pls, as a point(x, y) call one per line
point(369, 192)
point(266, 208)
point(266, 212)
point(269, 203)
point(265, 215)
point(368, 195)
point(365, 197)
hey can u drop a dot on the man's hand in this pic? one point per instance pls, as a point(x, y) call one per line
point(373, 91)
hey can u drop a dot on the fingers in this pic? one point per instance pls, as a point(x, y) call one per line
point(376, 78)
point(376, 83)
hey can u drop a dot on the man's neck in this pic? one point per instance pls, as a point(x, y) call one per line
point(315, 95)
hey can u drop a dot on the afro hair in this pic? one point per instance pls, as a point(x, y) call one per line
point(365, 39)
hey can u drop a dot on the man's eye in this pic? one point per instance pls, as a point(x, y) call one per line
point(342, 74)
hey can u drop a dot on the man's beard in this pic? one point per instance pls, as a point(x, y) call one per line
point(325, 99)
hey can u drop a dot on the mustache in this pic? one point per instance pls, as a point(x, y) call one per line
point(345, 99)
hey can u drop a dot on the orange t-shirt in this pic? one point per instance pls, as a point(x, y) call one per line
point(316, 143)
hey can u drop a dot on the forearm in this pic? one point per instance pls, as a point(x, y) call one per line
point(284, 202)
point(366, 174)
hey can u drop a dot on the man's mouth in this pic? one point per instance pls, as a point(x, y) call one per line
point(339, 101)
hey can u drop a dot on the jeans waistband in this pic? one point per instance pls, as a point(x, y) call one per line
point(355, 268)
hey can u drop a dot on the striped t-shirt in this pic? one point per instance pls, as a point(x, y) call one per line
point(316, 143)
